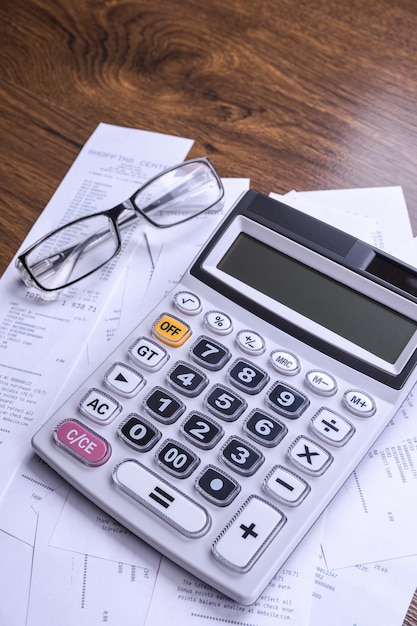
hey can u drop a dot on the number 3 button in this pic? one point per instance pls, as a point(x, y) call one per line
point(241, 457)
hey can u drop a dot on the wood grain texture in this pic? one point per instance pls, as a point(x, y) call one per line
point(304, 94)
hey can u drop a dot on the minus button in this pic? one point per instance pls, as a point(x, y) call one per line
point(286, 486)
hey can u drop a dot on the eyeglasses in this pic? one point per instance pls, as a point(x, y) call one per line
point(74, 251)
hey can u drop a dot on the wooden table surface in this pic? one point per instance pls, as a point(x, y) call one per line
point(295, 94)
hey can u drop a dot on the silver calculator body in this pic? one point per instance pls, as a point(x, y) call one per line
point(220, 429)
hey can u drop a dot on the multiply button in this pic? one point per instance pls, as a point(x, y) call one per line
point(309, 456)
point(248, 534)
point(84, 444)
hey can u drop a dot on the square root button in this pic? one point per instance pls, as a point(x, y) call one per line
point(248, 534)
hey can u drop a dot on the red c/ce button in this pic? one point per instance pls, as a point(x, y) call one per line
point(83, 443)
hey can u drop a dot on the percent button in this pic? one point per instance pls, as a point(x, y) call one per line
point(218, 322)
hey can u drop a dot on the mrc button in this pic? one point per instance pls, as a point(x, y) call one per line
point(171, 330)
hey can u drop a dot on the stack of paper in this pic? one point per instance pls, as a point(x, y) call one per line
point(66, 562)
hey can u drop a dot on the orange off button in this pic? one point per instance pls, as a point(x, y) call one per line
point(171, 330)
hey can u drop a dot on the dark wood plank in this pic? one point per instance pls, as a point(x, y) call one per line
point(38, 144)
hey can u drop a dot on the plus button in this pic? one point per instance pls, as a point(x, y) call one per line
point(248, 531)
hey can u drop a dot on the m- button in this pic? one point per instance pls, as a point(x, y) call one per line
point(171, 330)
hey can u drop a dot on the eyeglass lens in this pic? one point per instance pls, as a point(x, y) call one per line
point(179, 194)
point(73, 252)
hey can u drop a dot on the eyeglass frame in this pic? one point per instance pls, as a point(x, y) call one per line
point(113, 214)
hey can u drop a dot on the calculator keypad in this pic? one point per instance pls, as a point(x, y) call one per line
point(212, 418)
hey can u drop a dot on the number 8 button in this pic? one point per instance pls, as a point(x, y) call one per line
point(245, 376)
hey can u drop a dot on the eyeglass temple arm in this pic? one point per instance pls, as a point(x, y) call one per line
point(66, 259)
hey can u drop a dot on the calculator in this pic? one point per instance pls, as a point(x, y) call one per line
point(220, 429)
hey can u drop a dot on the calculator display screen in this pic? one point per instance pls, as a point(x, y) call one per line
point(344, 311)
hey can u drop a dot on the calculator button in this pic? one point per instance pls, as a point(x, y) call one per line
point(163, 405)
point(248, 534)
point(99, 406)
point(286, 486)
point(201, 430)
point(187, 302)
point(309, 456)
point(359, 403)
point(285, 362)
point(247, 377)
point(218, 322)
point(124, 380)
point(217, 486)
point(321, 383)
point(161, 498)
point(176, 459)
point(286, 400)
point(331, 427)
point(83, 443)
point(224, 403)
point(250, 342)
point(264, 428)
point(187, 379)
point(171, 330)
point(209, 354)
point(138, 433)
point(148, 354)
point(241, 456)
